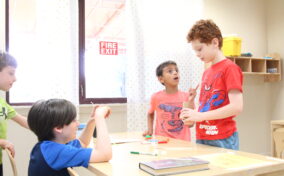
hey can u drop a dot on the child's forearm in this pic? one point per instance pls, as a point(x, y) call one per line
point(103, 150)
point(21, 120)
point(87, 133)
point(191, 104)
point(150, 121)
point(103, 141)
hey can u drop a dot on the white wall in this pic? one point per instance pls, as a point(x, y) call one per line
point(247, 18)
point(275, 40)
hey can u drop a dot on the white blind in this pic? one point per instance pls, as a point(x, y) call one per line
point(44, 40)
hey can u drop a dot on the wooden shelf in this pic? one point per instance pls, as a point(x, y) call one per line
point(269, 68)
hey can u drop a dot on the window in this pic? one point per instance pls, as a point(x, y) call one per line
point(43, 37)
point(103, 47)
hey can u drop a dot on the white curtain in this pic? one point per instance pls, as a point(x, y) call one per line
point(157, 32)
point(46, 48)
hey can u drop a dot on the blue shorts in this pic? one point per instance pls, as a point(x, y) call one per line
point(231, 142)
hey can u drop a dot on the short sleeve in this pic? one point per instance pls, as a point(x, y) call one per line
point(59, 156)
point(11, 112)
point(7, 110)
point(234, 78)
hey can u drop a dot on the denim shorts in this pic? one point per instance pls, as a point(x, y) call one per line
point(231, 142)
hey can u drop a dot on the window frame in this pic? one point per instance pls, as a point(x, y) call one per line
point(81, 50)
point(7, 42)
point(82, 81)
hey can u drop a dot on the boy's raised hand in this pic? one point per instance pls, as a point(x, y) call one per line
point(192, 93)
point(99, 111)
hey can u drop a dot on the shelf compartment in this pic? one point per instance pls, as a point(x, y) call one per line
point(244, 64)
point(272, 66)
point(258, 65)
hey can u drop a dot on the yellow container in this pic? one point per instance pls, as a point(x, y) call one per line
point(232, 46)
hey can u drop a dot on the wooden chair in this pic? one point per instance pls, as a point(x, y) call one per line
point(12, 161)
point(282, 154)
point(72, 172)
point(278, 136)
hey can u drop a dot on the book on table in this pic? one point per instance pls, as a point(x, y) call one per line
point(174, 166)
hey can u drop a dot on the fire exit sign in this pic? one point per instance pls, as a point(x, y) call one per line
point(108, 48)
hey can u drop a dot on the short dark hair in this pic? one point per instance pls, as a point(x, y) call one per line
point(7, 60)
point(45, 115)
point(159, 69)
point(205, 31)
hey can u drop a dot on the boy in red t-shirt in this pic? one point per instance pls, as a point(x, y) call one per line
point(221, 97)
point(167, 104)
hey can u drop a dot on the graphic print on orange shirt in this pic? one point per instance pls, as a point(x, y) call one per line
point(170, 121)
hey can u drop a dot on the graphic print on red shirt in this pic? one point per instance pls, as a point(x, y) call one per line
point(216, 83)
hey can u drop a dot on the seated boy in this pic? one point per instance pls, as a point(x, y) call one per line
point(54, 122)
point(167, 105)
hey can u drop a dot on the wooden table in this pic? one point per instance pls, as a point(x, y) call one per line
point(222, 161)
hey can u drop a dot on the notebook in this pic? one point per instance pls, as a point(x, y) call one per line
point(174, 166)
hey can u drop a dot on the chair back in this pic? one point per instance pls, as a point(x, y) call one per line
point(12, 161)
point(72, 172)
point(282, 154)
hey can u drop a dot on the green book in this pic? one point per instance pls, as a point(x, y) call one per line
point(174, 166)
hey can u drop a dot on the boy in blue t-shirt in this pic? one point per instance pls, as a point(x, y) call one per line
point(54, 122)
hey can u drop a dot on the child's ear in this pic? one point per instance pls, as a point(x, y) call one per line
point(57, 130)
point(215, 42)
point(160, 78)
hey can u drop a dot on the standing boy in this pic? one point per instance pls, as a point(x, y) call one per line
point(54, 122)
point(167, 105)
point(221, 97)
point(8, 67)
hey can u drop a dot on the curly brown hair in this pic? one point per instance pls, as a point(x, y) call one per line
point(205, 31)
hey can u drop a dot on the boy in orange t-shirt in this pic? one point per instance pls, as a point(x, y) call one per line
point(167, 104)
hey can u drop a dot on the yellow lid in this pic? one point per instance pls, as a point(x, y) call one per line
point(232, 38)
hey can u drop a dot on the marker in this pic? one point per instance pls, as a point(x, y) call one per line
point(148, 136)
point(144, 153)
point(162, 142)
